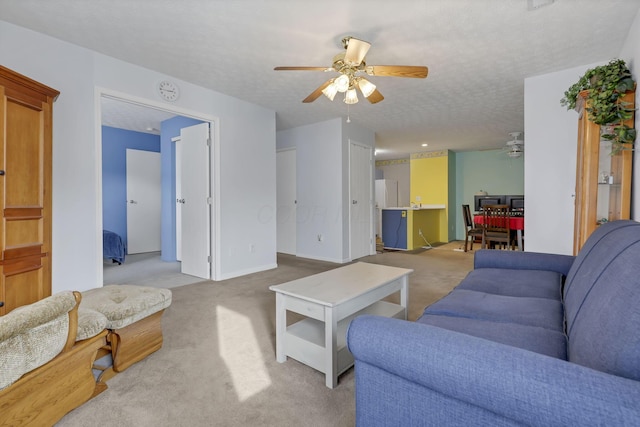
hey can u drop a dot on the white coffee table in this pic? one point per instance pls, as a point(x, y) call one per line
point(329, 301)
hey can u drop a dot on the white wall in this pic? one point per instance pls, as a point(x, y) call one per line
point(322, 169)
point(550, 161)
point(319, 184)
point(631, 54)
point(246, 157)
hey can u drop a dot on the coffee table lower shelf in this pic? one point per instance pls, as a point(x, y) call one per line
point(305, 339)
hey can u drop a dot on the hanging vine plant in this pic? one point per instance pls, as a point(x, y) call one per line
point(605, 85)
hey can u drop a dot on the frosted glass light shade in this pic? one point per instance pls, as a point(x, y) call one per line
point(351, 97)
point(330, 91)
point(366, 87)
point(342, 83)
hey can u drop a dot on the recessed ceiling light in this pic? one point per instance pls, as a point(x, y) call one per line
point(425, 145)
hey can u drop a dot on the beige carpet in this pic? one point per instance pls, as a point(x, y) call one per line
point(217, 366)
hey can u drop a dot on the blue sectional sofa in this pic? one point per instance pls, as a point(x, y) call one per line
point(525, 339)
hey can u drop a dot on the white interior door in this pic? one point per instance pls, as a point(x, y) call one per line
point(195, 196)
point(143, 201)
point(286, 200)
point(361, 192)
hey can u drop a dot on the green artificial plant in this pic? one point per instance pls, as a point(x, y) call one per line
point(605, 84)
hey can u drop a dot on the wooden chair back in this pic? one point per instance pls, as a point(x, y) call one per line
point(496, 224)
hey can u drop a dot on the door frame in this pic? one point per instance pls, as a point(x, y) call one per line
point(214, 173)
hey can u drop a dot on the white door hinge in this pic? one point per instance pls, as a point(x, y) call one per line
point(209, 259)
point(210, 200)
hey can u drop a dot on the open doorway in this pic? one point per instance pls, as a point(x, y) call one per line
point(147, 118)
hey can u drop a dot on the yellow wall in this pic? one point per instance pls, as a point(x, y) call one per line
point(429, 175)
point(427, 221)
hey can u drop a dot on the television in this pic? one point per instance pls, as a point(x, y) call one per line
point(516, 203)
point(480, 201)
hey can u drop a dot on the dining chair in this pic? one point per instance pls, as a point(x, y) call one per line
point(470, 228)
point(496, 226)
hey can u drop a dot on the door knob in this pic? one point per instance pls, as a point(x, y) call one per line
point(133, 202)
point(354, 202)
point(1, 173)
point(1, 303)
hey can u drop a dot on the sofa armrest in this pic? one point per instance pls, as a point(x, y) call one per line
point(486, 258)
point(509, 382)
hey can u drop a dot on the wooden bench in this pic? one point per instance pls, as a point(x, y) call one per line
point(133, 320)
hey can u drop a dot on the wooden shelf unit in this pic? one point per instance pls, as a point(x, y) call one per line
point(597, 201)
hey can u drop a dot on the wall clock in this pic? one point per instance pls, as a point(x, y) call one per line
point(168, 90)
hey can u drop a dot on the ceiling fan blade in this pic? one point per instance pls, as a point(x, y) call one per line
point(375, 97)
point(414, 71)
point(356, 51)
point(316, 93)
point(302, 69)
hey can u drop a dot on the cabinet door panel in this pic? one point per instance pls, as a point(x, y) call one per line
point(23, 156)
point(22, 282)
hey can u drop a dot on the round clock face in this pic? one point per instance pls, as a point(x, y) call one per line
point(168, 90)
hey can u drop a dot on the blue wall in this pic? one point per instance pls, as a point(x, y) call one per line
point(170, 129)
point(114, 173)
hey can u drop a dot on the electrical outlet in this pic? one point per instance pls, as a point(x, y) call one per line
point(319, 237)
point(420, 231)
point(252, 248)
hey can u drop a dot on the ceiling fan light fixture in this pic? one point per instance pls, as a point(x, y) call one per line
point(330, 91)
point(351, 97)
point(342, 83)
point(366, 87)
point(514, 154)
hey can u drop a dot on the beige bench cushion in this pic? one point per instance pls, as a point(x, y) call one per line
point(123, 305)
point(32, 335)
point(90, 323)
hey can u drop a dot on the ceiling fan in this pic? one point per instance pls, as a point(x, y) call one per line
point(351, 65)
point(515, 147)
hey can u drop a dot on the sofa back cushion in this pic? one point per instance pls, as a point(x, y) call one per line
point(602, 301)
point(32, 335)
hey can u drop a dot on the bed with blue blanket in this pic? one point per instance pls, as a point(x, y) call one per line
point(113, 246)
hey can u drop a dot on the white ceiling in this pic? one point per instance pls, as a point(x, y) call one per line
point(478, 52)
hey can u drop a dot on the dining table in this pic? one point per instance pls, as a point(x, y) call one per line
point(516, 223)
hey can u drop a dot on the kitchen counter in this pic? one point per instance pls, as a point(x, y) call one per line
point(423, 207)
point(408, 228)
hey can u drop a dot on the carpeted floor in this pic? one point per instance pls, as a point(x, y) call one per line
point(217, 366)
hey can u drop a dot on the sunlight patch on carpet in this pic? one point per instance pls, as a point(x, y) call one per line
point(241, 353)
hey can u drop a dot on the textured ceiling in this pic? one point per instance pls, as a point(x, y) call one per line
point(478, 52)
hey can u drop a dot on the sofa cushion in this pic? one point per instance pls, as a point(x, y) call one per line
point(532, 338)
point(123, 305)
point(90, 323)
point(515, 283)
point(530, 311)
point(32, 335)
point(602, 300)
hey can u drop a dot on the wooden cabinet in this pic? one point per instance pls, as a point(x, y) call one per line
point(603, 181)
point(25, 190)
